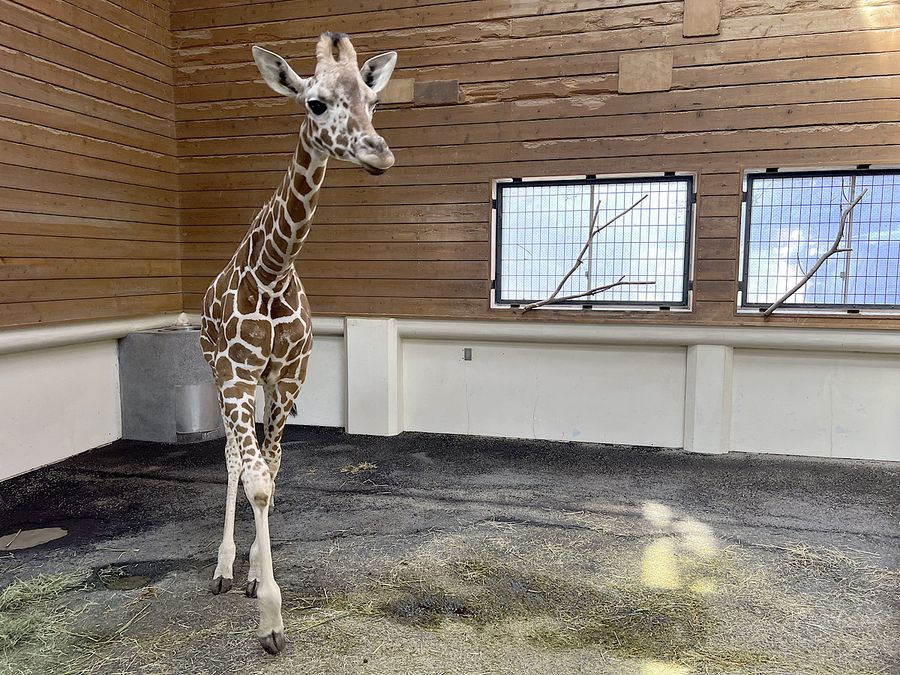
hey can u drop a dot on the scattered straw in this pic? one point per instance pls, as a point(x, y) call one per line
point(511, 589)
point(354, 469)
point(22, 593)
point(26, 611)
point(853, 570)
point(15, 536)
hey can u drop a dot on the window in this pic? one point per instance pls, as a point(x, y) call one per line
point(542, 226)
point(791, 219)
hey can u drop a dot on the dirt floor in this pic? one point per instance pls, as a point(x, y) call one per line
point(440, 554)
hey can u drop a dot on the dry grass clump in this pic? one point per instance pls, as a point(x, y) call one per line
point(731, 610)
point(32, 625)
point(21, 594)
point(26, 613)
point(354, 469)
point(852, 570)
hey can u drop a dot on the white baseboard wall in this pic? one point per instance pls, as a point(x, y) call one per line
point(59, 387)
point(57, 402)
point(824, 393)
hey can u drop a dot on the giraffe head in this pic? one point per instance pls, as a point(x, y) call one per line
point(339, 99)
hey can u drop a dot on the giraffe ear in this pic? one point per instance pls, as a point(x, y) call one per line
point(278, 74)
point(377, 71)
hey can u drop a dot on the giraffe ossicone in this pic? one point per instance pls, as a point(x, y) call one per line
point(256, 327)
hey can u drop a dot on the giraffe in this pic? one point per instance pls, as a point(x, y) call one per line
point(255, 327)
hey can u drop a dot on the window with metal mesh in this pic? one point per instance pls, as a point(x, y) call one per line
point(542, 226)
point(792, 219)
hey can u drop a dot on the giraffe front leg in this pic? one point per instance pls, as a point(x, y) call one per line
point(258, 488)
point(279, 400)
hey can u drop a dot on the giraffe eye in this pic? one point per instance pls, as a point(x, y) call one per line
point(317, 107)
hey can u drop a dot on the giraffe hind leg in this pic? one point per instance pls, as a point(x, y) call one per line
point(224, 575)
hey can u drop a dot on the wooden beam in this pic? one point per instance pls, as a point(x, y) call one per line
point(642, 72)
point(398, 91)
point(701, 17)
point(440, 92)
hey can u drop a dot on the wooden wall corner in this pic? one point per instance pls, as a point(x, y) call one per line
point(701, 17)
point(648, 71)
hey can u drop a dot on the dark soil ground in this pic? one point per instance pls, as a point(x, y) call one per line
point(441, 554)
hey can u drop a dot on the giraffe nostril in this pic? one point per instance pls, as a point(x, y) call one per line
point(373, 143)
point(373, 152)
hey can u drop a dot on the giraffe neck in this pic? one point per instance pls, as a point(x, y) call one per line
point(281, 226)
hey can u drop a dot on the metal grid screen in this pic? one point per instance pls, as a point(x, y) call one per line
point(543, 225)
point(792, 219)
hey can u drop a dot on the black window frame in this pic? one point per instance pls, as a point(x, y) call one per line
point(747, 224)
point(592, 302)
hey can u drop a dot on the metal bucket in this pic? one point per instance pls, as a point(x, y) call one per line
point(196, 409)
point(167, 390)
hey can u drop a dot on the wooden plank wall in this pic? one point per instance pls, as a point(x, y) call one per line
point(107, 150)
point(784, 83)
point(88, 188)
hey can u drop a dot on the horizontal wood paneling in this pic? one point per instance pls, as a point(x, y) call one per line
point(731, 119)
point(76, 268)
point(137, 140)
point(89, 222)
point(476, 41)
point(784, 83)
point(54, 311)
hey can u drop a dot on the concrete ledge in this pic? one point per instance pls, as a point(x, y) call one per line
point(748, 337)
point(328, 325)
point(33, 338)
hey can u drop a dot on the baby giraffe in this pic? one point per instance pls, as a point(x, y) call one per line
point(256, 327)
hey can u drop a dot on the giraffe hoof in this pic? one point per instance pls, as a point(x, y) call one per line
point(220, 585)
point(251, 588)
point(274, 642)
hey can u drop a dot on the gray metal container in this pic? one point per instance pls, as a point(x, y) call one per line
point(166, 387)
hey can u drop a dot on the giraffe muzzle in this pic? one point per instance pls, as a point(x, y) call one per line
point(374, 170)
point(374, 155)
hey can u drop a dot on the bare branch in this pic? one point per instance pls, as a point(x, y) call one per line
point(580, 261)
point(799, 264)
point(593, 291)
point(833, 250)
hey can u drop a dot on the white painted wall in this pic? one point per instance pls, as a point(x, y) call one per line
point(603, 393)
point(825, 393)
point(826, 404)
point(788, 391)
point(323, 399)
point(374, 401)
point(57, 403)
